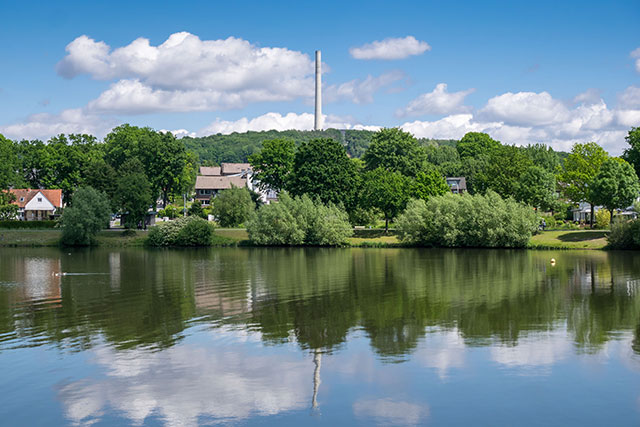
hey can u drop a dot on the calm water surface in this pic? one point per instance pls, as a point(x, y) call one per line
point(319, 336)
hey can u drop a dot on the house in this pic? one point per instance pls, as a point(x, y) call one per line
point(458, 184)
point(37, 205)
point(212, 179)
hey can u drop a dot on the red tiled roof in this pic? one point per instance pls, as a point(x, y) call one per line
point(24, 195)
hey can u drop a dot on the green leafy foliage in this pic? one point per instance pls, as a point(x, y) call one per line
point(386, 191)
point(233, 207)
point(196, 210)
point(467, 221)
point(322, 169)
point(615, 186)
point(8, 164)
point(184, 231)
point(17, 224)
point(88, 214)
point(428, 184)
point(537, 187)
point(624, 235)
point(273, 164)
point(476, 144)
point(632, 154)
point(299, 221)
point(394, 150)
point(133, 192)
point(8, 210)
point(171, 212)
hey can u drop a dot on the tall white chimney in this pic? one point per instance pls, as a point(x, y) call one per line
point(318, 117)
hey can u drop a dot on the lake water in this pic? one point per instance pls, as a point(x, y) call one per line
point(319, 336)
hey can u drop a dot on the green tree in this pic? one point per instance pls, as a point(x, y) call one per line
point(33, 160)
point(322, 169)
point(88, 214)
point(233, 207)
point(8, 209)
point(133, 192)
point(196, 210)
point(428, 184)
point(615, 186)
point(100, 175)
point(537, 187)
point(395, 150)
point(476, 144)
point(164, 158)
point(387, 191)
point(506, 165)
point(9, 164)
point(580, 168)
point(632, 154)
point(66, 160)
point(273, 164)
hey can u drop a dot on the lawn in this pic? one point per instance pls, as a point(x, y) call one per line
point(570, 239)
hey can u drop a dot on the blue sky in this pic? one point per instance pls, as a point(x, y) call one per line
point(552, 72)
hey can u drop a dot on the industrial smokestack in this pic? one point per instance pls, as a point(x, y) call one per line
point(318, 118)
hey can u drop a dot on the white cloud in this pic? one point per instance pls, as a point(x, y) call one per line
point(186, 73)
point(179, 133)
point(390, 412)
point(439, 101)
point(361, 91)
point(277, 121)
point(630, 98)
point(636, 55)
point(590, 96)
point(390, 48)
point(525, 109)
point(185, 384)
point(537, 350)
point(45, 125)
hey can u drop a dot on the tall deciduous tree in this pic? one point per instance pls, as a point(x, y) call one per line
point(502, 173)
point(387, 191)
point(537, 188)
point(232, 207)
point(133, 192)
point(615, 186)
point(8, 164)
point(580, 168)
point(428, 184)
point(394, 150)
point(273, 164)
point(322, 169)
point(632, 154)
point(476, 144)
point(88, 214)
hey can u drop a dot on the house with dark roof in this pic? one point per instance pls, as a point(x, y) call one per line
point(37, 205)
point(458, 184)
point(213, 179)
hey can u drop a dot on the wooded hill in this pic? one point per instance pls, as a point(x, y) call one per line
point(237, 147)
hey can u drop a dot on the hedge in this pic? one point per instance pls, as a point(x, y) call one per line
point(13, 224)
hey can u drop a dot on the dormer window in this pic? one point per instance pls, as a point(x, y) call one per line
point(40, 199)
point(22, 199)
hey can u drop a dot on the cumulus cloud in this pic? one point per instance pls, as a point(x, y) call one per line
point(277, 121)
point(439, 101)
point(361, 91)
point(186, 73)
point(45, 125)
point(636, 55)
point(630, 98)
point(525, 108)
point(390, 48)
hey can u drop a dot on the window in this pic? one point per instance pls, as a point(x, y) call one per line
point(40, 199)
point(22, 199)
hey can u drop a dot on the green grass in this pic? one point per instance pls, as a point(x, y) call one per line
point(30, 237)
point(570, 239)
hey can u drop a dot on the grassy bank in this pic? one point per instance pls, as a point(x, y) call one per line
point(556, 239)
point(570, 239)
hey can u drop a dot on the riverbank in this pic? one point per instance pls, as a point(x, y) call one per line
point(554, 239)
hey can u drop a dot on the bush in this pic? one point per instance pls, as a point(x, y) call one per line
point(467, 221)
point(603, 217)
point(170, 212)
point(189, 231)
point(299, 221)
point(196, 210)
point(625, 235)
point(88, 214)
point(27, 224)
point(233, 207)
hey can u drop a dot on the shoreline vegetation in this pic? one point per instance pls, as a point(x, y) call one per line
point(362, 238)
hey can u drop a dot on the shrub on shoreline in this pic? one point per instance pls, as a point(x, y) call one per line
point(467, 221)
point(189, 231)
point(88, 214)
point(625, 235)
point(299, 221)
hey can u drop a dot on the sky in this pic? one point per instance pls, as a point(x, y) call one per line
point(524, 72)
